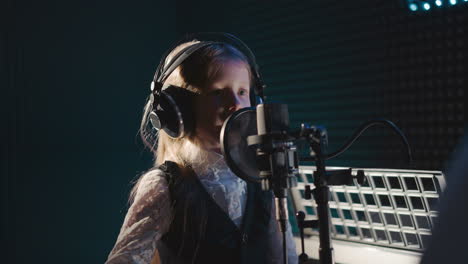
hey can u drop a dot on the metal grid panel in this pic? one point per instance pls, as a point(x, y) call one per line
point(395, 208)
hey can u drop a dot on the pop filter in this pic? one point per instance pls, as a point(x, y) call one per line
point(240, 158)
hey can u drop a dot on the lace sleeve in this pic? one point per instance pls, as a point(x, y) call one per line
point(147, 219)
point(276, 241)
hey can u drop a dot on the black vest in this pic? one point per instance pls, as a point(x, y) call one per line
point(201, 232)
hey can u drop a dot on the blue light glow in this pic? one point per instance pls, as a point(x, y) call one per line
point(428, 5)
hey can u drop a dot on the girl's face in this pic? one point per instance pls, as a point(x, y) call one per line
point(228, 92)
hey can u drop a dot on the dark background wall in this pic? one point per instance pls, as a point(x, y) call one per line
point(77, 74)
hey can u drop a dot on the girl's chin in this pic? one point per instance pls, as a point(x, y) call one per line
point(211, 144)
point(217, 150)
point(214, 146)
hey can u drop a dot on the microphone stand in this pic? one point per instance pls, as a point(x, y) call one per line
point(317, 138)
point(277, 158)
point(279, 177)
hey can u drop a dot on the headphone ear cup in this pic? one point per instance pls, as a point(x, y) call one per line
point(174, 112)
point(155, 120)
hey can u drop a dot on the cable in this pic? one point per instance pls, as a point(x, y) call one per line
point(368, 124)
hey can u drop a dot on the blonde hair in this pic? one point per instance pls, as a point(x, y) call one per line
point(193, 74)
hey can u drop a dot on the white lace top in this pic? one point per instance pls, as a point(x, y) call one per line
point(149, 216)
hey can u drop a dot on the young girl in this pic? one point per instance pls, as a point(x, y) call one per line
point(190, 207)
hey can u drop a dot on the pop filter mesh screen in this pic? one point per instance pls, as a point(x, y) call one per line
point(240, 158)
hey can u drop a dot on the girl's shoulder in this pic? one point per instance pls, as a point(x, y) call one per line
point(147, 219)
point(151, 184)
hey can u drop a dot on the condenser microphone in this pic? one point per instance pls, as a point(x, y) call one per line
point(257, 147)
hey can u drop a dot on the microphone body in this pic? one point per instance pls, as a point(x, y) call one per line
point(276, 152)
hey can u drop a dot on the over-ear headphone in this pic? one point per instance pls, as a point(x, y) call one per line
point(172, 106)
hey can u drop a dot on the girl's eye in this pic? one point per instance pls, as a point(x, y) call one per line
point(217, 92)
point(243, 92)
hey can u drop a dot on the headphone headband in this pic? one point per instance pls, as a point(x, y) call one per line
point(181, 57)
point(207, 38)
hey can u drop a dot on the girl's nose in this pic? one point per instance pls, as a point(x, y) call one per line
point(233, 102)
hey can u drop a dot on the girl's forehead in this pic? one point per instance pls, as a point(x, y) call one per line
point(231, 70)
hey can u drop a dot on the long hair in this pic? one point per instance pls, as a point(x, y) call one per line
point(194, 74)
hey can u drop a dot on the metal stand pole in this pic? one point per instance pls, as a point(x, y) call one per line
point(321, 194)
